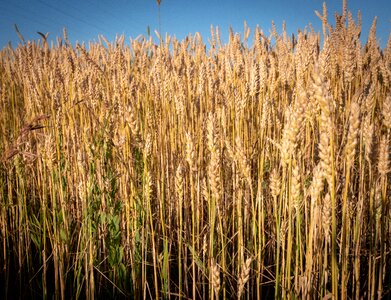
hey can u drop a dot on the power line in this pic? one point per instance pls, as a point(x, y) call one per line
point(22, 15)
point(71, 16)
point(106, 11)
point(13, 12)
point(27, 15)
point(121, 25)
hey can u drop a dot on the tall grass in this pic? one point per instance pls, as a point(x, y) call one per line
point(180, 171)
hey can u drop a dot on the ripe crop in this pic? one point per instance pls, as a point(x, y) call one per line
point(180, 170)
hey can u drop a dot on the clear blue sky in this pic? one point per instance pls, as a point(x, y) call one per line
point(85, 20)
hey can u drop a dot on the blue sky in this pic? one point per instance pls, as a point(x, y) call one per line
point(85, 20)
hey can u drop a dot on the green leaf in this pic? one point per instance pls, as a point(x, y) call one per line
point(63, 235)
point(120, 253)
point(198, 261)
point(35, 240)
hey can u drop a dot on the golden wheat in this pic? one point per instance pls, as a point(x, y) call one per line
point(143, 170)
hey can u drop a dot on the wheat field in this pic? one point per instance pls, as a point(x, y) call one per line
point(183, 169)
